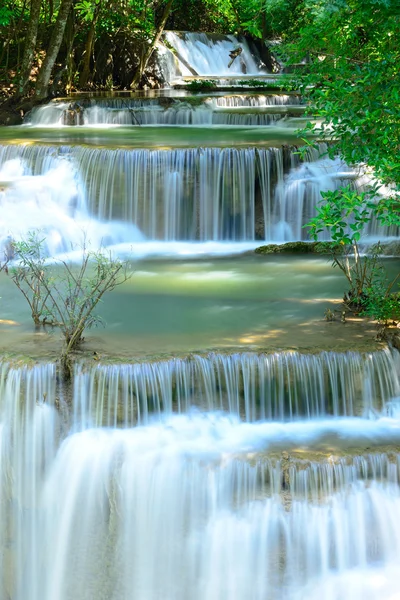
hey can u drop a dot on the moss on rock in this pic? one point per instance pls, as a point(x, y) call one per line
point(298, 248)
point(289, 248)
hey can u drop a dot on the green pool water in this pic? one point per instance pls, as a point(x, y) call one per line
point(180, 306)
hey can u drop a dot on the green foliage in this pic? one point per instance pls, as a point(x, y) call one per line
point(86, 9)
point(263, 19)
point(351, 82)
point(200, 85)
point(6, 15)
point(349, 79)
point(64, 295)
point(239, 16)
point(381, 305)
point(343, 214)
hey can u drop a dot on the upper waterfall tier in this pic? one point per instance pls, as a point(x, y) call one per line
point(203, 54)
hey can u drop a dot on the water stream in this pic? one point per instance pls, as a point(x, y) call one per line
point(231, 451)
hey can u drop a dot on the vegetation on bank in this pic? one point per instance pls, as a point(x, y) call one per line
point(349, 81)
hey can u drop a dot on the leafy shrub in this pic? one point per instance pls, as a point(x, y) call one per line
point(62, 294)
point(200, 85)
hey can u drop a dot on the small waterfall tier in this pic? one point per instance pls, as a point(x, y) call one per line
point(284, 386)
point(202, 504)
point(195, 194)
point(249, 110)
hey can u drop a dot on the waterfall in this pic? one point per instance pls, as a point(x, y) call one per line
point(200, 505)
point(284, 386)
point(48, 196)
point(148, 514)
point(209, 55)
point(196, 194)
point(29, 434)
point(133, 111)
point(259, 100)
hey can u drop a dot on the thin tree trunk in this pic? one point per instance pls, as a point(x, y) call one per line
point(69, 37)
point(42, 83)
point(84, 76)
point(30, 46)
point(146, 56)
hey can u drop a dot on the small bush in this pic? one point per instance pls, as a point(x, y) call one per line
point(200, 85)
point(63, 294)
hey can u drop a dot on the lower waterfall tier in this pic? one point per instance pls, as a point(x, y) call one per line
point(201, 505)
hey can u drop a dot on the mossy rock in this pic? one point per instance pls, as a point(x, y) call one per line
point(298, 248)
point(288, 248)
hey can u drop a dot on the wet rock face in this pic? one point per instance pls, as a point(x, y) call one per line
point(73, 115)
point(265, 54)
point(153, 77)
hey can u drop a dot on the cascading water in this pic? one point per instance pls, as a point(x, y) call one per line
point(209, 55)
point(259, 100)
point(285, 386)
point(218, 477)
point(201, 504)
point(170, 195)
point(128, 111)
